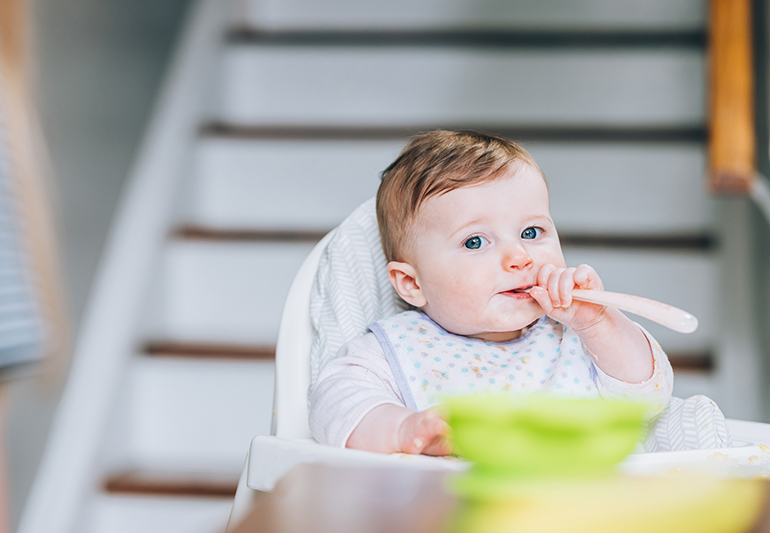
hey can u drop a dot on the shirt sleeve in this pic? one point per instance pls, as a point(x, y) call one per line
point(349, 387)
point(656, 391)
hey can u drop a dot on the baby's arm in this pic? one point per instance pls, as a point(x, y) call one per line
point(655, 392)
point(392, 428)
point(356, 403)
point(619, 346)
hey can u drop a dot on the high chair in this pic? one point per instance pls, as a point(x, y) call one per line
point(680, 427)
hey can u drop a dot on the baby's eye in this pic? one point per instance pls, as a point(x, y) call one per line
point(531, 233)
point(475, 242)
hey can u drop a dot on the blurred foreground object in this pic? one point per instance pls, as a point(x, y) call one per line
point(631, 505)
point(540, 463)
point(550, 464)
point(32, 315)
point(31, 303)
point(512, 438)
point(324, 498)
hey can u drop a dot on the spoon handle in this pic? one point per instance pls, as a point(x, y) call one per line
point(666, 315)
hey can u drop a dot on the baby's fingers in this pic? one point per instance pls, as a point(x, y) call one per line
point(587, 278)
point(426, 433)
point(560, 284)
point(566, 283)
point(544, 274)
point(542, 298)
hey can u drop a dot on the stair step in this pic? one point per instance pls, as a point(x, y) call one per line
point(674, 133)
point(301, 185)
point(201, 233)
point(133, 512)
point(171, 484)
point(692, 363)
point(589, 15)
point(209, 351)
point(402, 86)
point(473, 37)
point(229, 293)
point(680, 361)
point(191, 414)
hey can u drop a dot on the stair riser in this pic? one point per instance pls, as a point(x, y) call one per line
point(527, 14)
point(430, 86)
point(191, 415)
point(623, 188)
point(130, 514)
point(223, 292)
point(677, 279)
point(689, 384)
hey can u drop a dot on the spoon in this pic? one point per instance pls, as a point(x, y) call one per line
point(665, 315)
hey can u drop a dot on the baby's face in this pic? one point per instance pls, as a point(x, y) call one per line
point(474, 245)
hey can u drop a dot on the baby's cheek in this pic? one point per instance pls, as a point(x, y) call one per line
point(463, 300)
point(556, 258)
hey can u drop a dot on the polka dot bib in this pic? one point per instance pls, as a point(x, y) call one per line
point(430, 363)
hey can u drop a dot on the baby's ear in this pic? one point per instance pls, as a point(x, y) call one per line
point(404, 279)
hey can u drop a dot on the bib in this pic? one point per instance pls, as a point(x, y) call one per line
point(430, 363)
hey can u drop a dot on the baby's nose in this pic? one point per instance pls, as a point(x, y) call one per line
point(517, 257)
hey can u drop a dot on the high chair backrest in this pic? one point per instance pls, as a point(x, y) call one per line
point(292, 353)
point(340, 289)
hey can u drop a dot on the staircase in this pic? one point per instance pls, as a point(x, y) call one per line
point(275, 120)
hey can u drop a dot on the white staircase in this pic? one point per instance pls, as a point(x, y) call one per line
point(277, 117)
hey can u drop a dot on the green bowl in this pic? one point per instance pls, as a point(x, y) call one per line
point(538, 436)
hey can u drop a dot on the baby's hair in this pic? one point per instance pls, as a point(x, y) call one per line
point(432, 164)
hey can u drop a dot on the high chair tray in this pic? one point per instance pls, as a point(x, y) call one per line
point(271, 457)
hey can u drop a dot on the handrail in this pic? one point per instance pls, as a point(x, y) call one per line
point(732, 142)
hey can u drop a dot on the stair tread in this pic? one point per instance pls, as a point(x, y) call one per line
point(147, 482)
point(703, 362)
point(523, 133)
point(169, 348)
point(485, 37)
point(203, 233)
point(694, 361)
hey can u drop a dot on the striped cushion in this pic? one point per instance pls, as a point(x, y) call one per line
point(351, 290)
point(692, 424)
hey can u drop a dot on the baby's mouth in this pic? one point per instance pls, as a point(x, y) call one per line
point(522, 290)
point(520, 293)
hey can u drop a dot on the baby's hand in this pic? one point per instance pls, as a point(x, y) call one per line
point(554, 294)
point(424, 432)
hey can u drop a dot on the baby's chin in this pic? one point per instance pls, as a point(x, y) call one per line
point(502, 333)
point(500, 336)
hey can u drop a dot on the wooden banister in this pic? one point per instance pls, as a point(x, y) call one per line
point(732, 143)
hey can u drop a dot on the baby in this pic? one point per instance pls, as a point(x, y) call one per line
point(465, 224)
